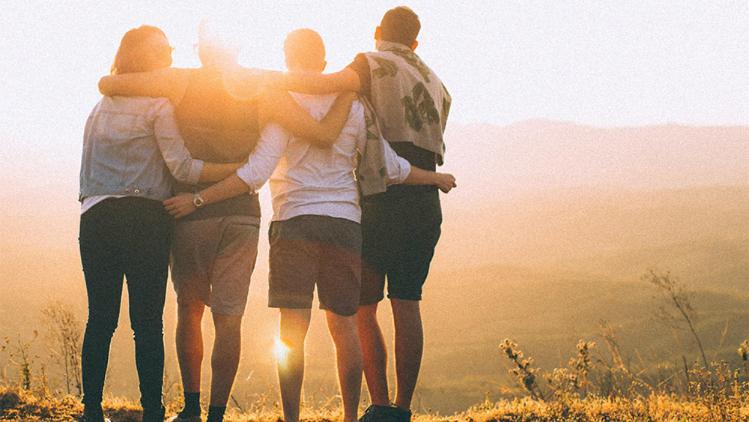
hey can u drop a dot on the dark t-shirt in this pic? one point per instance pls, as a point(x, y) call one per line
point(218, 128)
point(418, 157)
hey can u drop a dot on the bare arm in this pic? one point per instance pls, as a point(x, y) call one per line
point(270, 88)
point(181, 205)
point(213, 172)
point(247, 83)
point(279, 107)
point(250, 177)
point(318, 83)
point(444, 181)
point(399, 170)
point(170, 83)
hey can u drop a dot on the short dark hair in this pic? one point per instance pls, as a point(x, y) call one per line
point(400, 25)
point(305, 48)
point(134, 55)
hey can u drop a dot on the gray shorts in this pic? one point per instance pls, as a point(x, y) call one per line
point(213, 260)
point(311, 250)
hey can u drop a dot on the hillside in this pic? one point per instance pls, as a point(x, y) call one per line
point(542, 154)
point(549, 232)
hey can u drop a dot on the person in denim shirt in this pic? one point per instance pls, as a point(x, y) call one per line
point(132, 154)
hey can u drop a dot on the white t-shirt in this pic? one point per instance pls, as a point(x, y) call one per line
point(309, 180)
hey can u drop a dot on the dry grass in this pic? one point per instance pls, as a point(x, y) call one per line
point(595, 385)
point(655, 407)
point(19, 405)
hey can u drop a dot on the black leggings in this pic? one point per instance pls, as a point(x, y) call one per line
point(127, 237)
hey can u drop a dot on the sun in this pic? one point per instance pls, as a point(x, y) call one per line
point(280, 351)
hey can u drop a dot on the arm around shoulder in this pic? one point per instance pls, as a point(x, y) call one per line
point(319, 83)
point(169, 83)
point(279, 107)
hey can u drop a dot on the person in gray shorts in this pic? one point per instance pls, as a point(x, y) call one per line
point(315, 236)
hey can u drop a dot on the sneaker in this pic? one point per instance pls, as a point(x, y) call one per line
point(401, 415)
point(377, 413)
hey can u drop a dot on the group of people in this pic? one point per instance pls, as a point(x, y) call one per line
point(172, 160)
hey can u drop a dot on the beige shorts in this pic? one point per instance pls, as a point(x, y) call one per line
point(212, 261)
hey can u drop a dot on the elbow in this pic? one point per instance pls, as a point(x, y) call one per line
point(104, 87)
point(190, 172)
point(252, 185)
point(248, 177)
point(183, 177)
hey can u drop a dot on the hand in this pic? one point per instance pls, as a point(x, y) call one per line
point(180, 206)
point(444, 181)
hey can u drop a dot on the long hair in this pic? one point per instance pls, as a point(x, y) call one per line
point(134, 54)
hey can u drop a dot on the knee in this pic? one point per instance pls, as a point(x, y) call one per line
point(101, 327)
point(406, 308)
point(294, 326)
point(293, 338)
point(147, 329)
point(227, 325)
point(367, 315)
point(342, 326)
point(190, 312)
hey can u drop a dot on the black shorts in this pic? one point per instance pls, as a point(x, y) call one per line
point(312, 249)
point(400, 231)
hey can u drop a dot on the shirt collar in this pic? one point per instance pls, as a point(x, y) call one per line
point(390, 45)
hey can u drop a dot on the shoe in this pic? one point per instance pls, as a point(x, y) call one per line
point(178, 418)
point(401, 415)
point(377, 413)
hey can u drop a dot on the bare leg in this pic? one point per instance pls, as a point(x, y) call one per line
point(227, 348)
point(294, 325)
point(409, 347)
point(349, 361)
point(374, 354)
point(190, 344)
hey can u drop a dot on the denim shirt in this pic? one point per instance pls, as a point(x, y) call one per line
point(132, 147)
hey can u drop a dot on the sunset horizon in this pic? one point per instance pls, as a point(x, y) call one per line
point(549, 202)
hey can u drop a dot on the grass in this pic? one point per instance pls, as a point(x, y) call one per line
point(20, 405)
point(595, 384)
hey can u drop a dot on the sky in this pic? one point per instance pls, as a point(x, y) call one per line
point(604, 63)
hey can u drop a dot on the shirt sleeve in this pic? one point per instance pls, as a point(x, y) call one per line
point(264, 159)
point(360, 65)
point(397, 167)
point(176, 156)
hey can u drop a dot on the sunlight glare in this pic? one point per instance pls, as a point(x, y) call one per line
point(280, 351)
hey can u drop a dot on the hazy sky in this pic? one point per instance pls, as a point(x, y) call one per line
point(596, 62)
